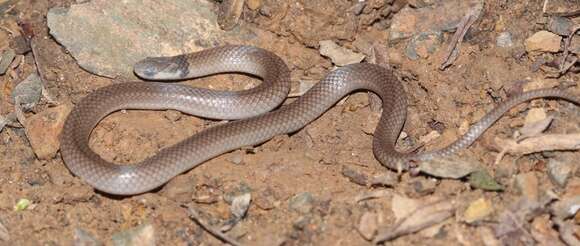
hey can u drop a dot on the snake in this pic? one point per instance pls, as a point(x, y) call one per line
point(255, 115)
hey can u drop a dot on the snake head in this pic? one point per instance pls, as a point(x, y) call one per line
point(162, 68)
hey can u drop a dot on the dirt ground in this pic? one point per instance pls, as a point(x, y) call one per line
point(316, 160)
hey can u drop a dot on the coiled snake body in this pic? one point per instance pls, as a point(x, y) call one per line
point(256, 125)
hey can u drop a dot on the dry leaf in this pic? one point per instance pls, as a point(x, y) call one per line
point(421, 218)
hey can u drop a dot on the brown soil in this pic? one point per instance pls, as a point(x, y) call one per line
point(312, 160)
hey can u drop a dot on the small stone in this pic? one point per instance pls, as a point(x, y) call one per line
point(236, 157)
point(388, 179)
point(527, 184)
point(355, 176)
point(28, 91)
point(143, 235)
point(339, 55)
point(172, 115)
point(43, 130)
point(423, 45)
point(20, 45)
point(504, 40)
point(560, 25)
point(302, 203)
point(559, 172)
point(478, 210)
point(368, 225)
point(423, 186)
point(84, 238)
point(543, 41)
point(6, 59)
point(254, 4)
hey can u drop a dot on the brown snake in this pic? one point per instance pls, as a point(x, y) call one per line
point(256, 124)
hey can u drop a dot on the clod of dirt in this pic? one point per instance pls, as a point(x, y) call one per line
point(43, 130)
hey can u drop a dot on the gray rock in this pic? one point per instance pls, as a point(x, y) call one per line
point(302, 203)
point(28, 92)
point(504, 40)
point(560, 25)
point(6, 59)
point(108, 37)
point(559, 172)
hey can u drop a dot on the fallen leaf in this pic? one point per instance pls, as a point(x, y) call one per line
point(421, 218)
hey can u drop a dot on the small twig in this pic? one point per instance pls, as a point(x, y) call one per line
point(214, 232)
point(453, 50)
point(563, 66)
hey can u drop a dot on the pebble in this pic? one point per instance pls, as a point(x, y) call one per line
point(387, 178)
point(478, 210)
point(355, 176)
point(172, 115)
point(302, 203)
point(559, 171)
point(242, 189)
point(504, 40)
point(143, 235)
point(28, 91)
point(254, 4)
point(43, 130)
point(543, 41)
point(20, 45)
point(6, 59)
point(339, 55)
point(560, 25)
point(423, 186)
point(368, 225)
point(423, 44)
point(85, 238)
point(527, 184)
